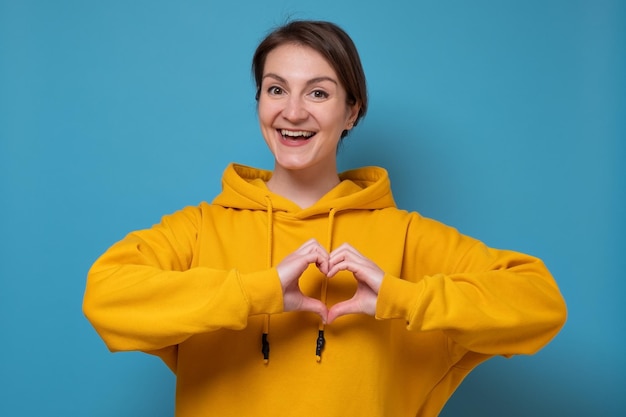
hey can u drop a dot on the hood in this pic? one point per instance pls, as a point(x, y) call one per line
point(245, 188)
point(366, 188)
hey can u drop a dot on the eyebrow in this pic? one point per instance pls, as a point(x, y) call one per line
point(309, 82)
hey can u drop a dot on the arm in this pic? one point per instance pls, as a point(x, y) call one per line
point(487, 300)
point(144, 294)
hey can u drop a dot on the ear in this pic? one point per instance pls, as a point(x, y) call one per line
point(353, 114)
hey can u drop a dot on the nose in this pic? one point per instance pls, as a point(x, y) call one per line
point(295, 110)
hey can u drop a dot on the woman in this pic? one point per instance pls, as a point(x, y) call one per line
point(370, 310)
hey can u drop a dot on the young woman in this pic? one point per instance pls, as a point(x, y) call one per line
point(370, 310)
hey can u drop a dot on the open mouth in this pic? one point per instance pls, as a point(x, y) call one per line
point(296, 134)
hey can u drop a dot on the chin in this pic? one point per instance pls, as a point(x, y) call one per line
point(292, 165)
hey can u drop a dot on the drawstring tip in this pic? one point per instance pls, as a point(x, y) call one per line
point(265, 348)
point(320, 345)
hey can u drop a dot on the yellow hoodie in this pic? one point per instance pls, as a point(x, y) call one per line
point(200, 288)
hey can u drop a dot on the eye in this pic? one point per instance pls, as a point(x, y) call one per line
point(274, 91)
point(319, 94)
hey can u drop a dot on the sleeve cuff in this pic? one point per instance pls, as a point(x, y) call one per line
point(263, 292)
point(398, 299)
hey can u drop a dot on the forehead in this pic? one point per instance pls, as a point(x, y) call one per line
point(297, 60)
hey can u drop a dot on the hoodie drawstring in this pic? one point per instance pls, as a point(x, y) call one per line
point(321, 341)
point(265, 344)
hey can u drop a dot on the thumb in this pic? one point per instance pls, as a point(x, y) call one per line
point(343, 308)
point(315, 306)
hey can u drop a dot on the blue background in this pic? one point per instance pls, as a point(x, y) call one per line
point(505, 119)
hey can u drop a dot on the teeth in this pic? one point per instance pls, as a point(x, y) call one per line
point(296, 133)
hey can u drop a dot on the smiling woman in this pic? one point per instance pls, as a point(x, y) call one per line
point(303, 112)
point(360, 300)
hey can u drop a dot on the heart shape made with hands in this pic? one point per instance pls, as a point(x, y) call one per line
point(345, 258)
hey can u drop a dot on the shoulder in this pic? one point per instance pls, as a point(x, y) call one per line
point(191, 214)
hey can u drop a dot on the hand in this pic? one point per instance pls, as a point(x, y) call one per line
point(291, 268)
point(368, 276)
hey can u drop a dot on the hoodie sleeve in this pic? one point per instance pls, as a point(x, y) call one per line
point(144, 294)
point(486, 300)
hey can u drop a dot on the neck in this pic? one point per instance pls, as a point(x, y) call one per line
point(303, 188)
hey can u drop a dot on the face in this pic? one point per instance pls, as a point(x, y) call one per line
point(302, 109)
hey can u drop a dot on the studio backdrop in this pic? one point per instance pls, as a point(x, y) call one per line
point(504, 119)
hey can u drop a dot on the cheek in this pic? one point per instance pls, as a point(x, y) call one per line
point(266, 118)
point(340, 121)
point(266, 112)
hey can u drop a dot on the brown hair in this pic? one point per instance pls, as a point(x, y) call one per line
point(333, 43)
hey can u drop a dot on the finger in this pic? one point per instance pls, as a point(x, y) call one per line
point(343, 308)
point(316, 256)
point(363, 269)
point(357, 267)
point(311, 244)
point(314, 306)
point(346, 252)
point(315, 253)
point(294, 264)
point(343, 250)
